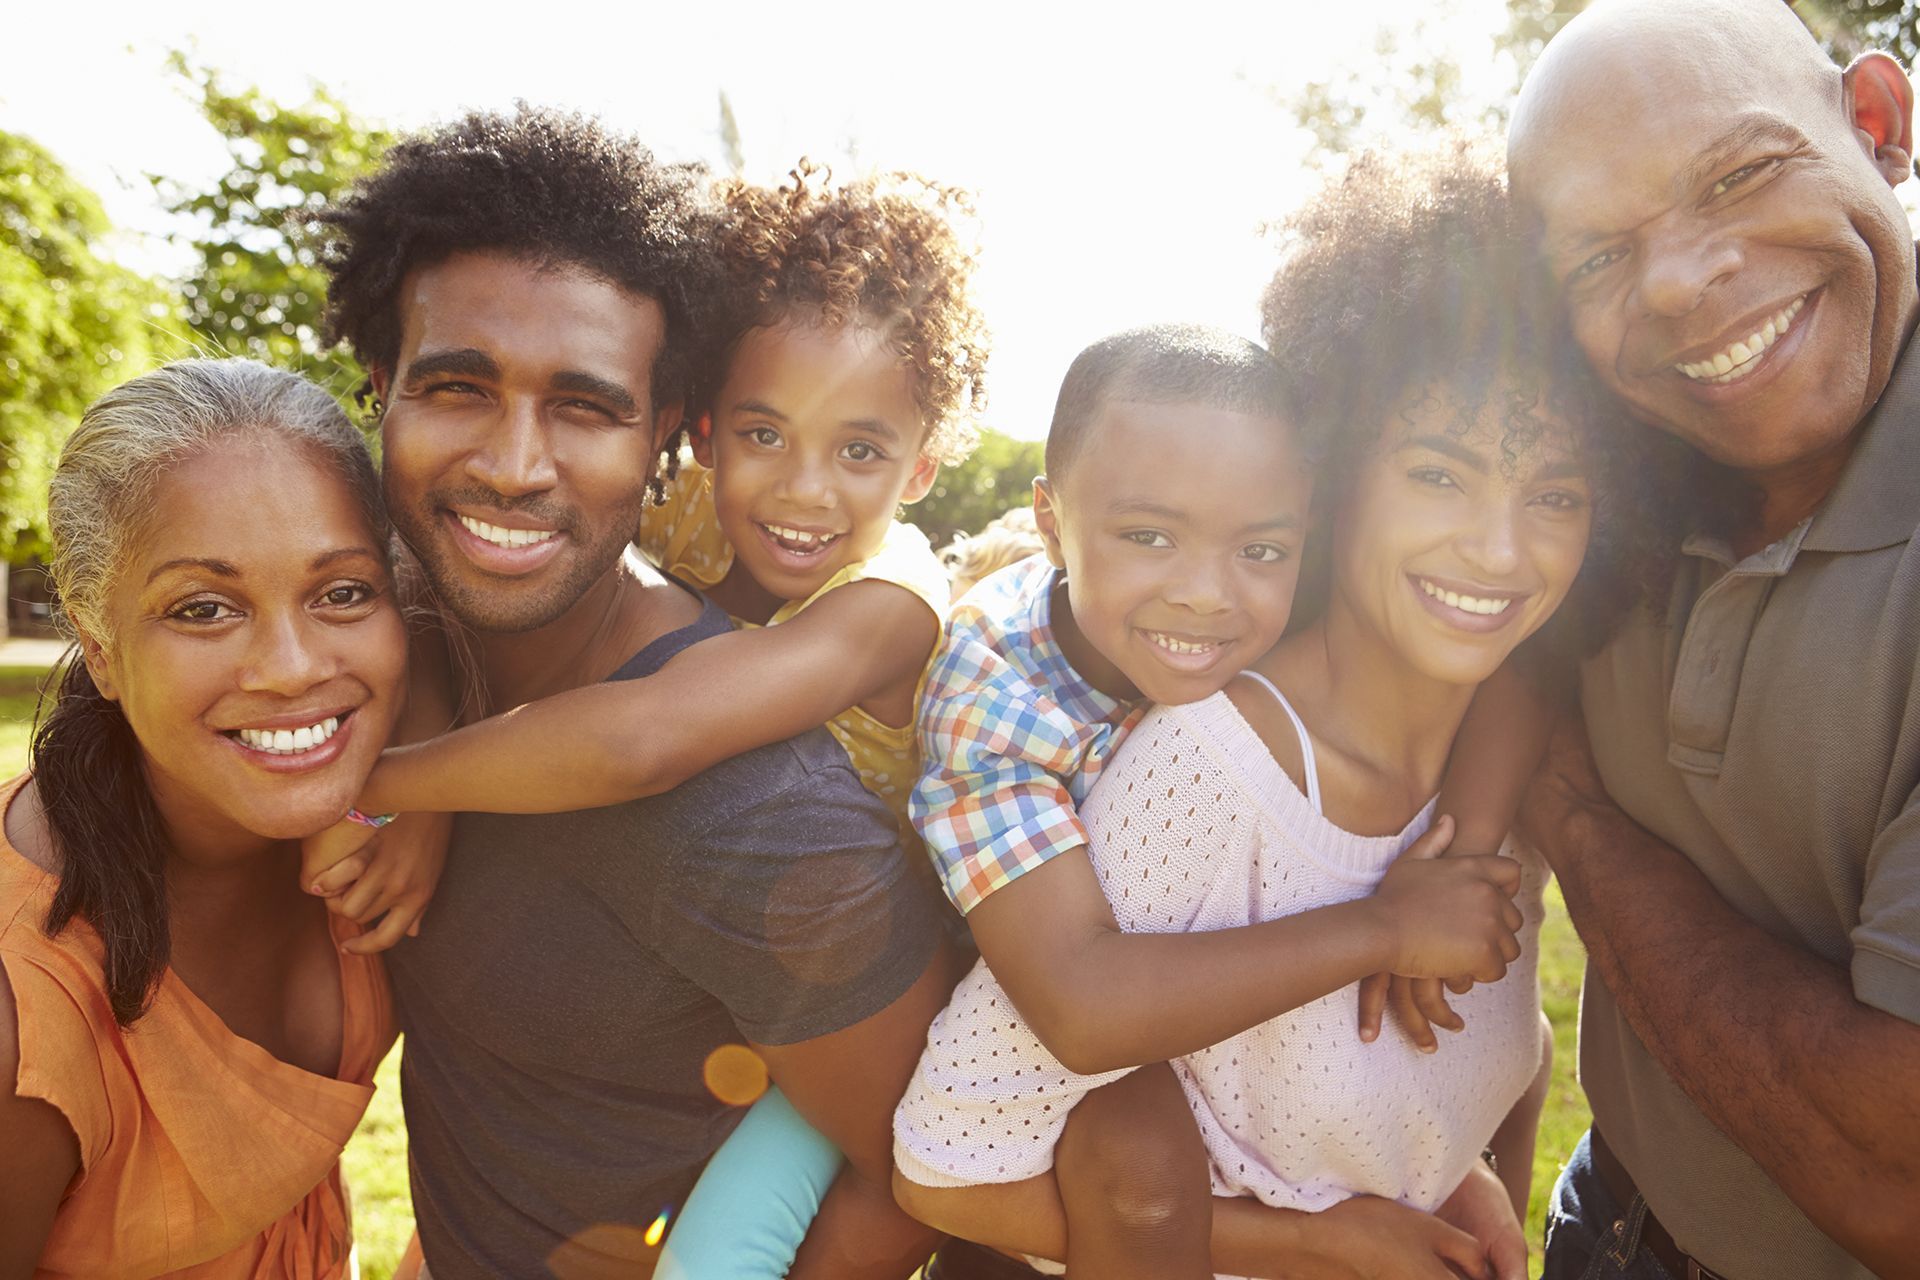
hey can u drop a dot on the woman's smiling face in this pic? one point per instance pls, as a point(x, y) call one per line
point(254, 647)
point(1455, 545)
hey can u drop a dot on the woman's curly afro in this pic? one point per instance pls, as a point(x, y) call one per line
point(549, 187)
point(1411, 274)
point(884, 251)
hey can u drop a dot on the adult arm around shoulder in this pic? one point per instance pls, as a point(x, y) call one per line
point(1838, 1130)
point(40, 1159)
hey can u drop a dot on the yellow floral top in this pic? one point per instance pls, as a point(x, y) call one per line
point(683, 537)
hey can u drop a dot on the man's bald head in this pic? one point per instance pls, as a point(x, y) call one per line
point(1716, 198)
point(1648, 50)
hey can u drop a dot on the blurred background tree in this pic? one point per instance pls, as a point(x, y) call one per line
point(997, 475)
point(72, 324)
point(256, 287)
point(1413, 83)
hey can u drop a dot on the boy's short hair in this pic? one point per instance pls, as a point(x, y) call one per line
point(1163, 364)
point(549, 187)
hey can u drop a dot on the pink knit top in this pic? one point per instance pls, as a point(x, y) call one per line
point(1195, 827)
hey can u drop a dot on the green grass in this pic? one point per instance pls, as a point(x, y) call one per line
point(376, 1159)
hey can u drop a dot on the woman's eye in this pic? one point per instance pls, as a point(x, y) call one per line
point(1147, 538)
point(1560, 500)
point(346, 595)
point(766, 437)
point(201, 611)
point(1432, 476)
point(1264, 553)
point(861, 451)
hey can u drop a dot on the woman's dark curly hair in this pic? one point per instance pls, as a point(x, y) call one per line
point(885, 251)
point(552, 188)
point(1410, 280)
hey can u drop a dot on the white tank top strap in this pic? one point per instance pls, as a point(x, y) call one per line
point(1306, 743)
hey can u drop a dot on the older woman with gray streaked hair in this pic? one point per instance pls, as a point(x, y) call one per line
point(185, 1044)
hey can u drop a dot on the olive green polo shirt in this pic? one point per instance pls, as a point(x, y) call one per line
point(1769, 729)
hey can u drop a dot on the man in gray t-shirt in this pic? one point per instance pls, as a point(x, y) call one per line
point(524, 291)
point(1738, 832)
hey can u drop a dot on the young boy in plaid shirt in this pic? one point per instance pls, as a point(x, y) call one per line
point(1173, 511)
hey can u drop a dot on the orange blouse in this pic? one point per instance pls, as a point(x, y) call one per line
point(202, 1155)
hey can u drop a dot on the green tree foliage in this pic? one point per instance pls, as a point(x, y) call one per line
point(257, 288)
point(72, 324)
point(998, 475)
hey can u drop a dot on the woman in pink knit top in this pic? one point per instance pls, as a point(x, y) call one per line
point(1462, 489)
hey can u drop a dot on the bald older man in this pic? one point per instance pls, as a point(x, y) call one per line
point(1738, 830)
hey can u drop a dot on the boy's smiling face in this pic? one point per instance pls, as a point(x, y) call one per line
point(1179, 527)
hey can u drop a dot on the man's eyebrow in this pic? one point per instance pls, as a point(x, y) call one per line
point(1452, 448)
point(467, 362)
point(219, 568)
point(593, 385)
point(1749, 131)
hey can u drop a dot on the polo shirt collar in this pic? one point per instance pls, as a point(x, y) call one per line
point(1877, 500)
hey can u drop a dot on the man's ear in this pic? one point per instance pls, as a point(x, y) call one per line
point(1046, 518)
point(1879, 102)
point(920, 483)
point(95, 656)
point(381, 377)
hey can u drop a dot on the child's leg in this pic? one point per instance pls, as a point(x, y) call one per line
point(1134, 1179)
point(750, 1210)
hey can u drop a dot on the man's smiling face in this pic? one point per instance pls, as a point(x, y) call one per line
point(1717, 203)
point(519, 432)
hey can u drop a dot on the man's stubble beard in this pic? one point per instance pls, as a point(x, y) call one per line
point(484, 610)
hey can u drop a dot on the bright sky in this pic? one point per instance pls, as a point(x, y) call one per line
point(1124, 167)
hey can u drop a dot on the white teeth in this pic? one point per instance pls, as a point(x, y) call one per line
point(1469, 604)
point(1174, 645)
point(283, 742)
point(505, 537)
point(806, 540)
point(1731, 363)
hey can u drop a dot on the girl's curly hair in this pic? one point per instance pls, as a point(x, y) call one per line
point(884, 250)
point(1411, 276)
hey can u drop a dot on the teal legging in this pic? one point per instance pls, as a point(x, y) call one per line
point(746, 1217)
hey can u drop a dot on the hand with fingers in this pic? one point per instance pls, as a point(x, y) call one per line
point(1482, 1207)
point(1368, 1238)
point(1418, 1004)
point(1449, 918)
point(386, 875)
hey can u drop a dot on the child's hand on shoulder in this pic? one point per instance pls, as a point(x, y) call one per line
point(387, 874)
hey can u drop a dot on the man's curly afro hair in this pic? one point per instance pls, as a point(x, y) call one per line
point(1411, 276)
point(552, 188)
point(886, 251)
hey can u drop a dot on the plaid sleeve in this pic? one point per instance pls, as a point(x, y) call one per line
point(992, 803)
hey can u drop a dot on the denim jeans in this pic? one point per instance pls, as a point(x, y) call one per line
point(1590, 1235)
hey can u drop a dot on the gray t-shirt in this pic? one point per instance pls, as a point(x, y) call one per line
point(577, 970)
point(1768, 727)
